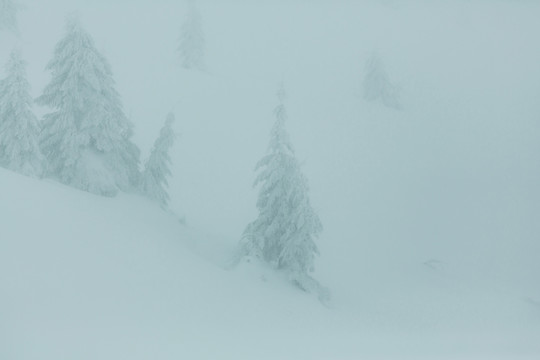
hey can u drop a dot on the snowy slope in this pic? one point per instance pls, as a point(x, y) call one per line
point(430, 214)
point(86, 277)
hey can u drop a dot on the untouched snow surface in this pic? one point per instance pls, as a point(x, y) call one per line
point(87, 277)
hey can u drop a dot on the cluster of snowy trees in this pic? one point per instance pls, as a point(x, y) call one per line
point(85, 139)
point(19, 127)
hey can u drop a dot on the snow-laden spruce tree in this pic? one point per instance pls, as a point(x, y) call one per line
point(156, 169)
point(284, 232)
point(19, 127)
point(86, 139)
point(191, 47)
point(377, 84)
point(8, 14)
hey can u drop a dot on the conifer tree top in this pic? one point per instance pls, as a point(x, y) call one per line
point(279, 138)
point(156, 170)
point(19, 128)
point(377, 84)
point(15, 61)
point(192, 43)
point(15, 87)
point(16, 67)
point(78, 69)
point(8, 14)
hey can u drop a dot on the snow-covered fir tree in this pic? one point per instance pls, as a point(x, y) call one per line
point(156, 169)
point(8, 14)
point(192, 44)
point(19, 127)
point(377, 84)
point(86, 139)
point(284, 232)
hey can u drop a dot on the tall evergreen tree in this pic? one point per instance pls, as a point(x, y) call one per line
point(377, 84)
point(192, 42)
point(156, 169)
point(86, 139)
point(19, 128)
point(8, 14)
point(283, 233)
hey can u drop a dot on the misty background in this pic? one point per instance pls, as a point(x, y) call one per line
point(447, 185)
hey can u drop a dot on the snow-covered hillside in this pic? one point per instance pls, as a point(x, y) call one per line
point(430, 209)
point(87, 277)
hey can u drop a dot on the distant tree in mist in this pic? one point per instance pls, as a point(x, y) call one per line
point(19, 127)
point(86, 139)
point(8, 14)
point(156, 169)
point(377, 84)
point(284, 232)
point(192, 44)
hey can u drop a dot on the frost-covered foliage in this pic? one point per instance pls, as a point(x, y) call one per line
point(86, 139)
point(19, 127)
point(377, 85)
point(283, 234)
point(8, 14)
point(156, 169)
point(192, 42)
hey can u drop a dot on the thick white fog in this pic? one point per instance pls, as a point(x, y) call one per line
point(431, 211)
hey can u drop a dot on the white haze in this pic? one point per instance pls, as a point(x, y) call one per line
point(453, 178)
